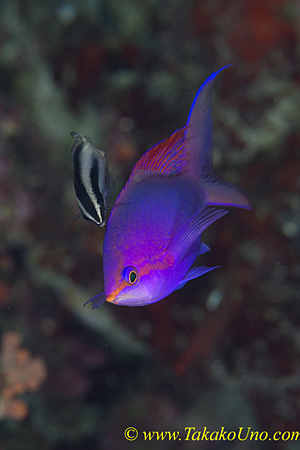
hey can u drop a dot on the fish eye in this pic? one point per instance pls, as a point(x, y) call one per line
point(131, 275)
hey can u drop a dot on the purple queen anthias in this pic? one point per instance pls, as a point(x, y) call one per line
point(153, 235)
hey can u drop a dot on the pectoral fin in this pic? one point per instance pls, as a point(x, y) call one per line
point(195, 272)
point(97, 300)
point(187, 235)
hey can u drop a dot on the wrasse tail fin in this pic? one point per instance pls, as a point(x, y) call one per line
point(195, 272)
point(96, 301)
point(188, 234)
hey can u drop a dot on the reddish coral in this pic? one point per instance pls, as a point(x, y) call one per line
point(20, 372)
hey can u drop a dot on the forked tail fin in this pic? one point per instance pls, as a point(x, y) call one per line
point(199, 145)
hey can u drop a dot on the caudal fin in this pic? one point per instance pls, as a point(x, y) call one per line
point(199, 142)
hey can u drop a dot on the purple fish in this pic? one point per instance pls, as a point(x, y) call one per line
point(153, 235)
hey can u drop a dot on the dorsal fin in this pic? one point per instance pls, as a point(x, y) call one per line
point(167, 157)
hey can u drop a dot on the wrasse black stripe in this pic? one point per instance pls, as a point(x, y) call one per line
point(85, 203)
point(92, 179)
point(76, 163)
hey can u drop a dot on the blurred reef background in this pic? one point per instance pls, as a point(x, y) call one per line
point(224, 351)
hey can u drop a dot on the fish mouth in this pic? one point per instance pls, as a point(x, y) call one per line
point(115, 299)
point(115, 295)
point(125, 299)
point(122, 300)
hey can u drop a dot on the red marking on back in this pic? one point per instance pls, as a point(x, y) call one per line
point(168, 156)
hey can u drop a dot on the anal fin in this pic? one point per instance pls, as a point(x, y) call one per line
point(195, 272)
point(203, 249)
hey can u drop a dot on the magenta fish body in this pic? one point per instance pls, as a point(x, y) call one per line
point(153, 234)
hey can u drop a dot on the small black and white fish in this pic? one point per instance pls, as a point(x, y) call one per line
point(93, 179)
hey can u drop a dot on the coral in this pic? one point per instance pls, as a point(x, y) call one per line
point(20, 372)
